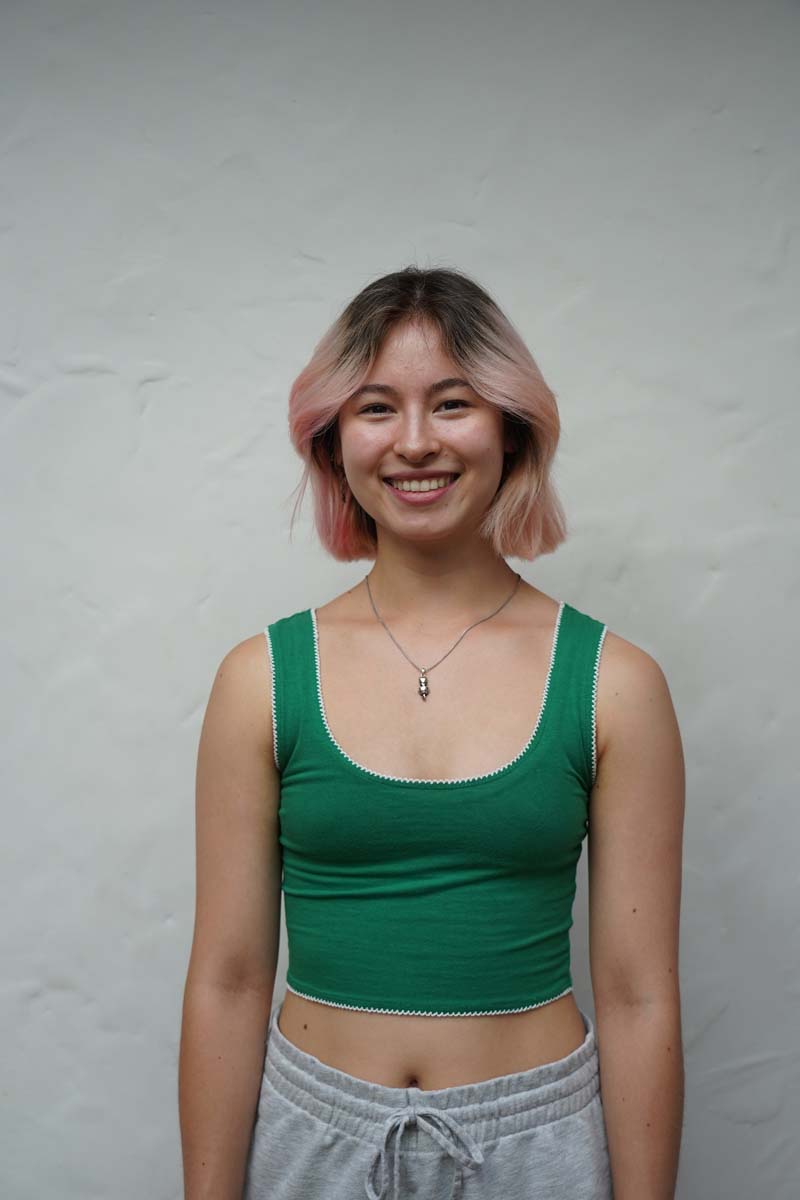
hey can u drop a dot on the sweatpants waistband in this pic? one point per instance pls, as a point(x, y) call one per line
point(486, 1110)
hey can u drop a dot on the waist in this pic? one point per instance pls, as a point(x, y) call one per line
point(431, 1052)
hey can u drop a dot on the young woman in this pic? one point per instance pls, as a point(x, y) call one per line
point(415, 765)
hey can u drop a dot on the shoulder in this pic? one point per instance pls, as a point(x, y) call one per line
point(241, 693)
point(632, 691)
point(243, 665)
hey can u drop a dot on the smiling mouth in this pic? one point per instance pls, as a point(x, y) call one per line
point(421, 485)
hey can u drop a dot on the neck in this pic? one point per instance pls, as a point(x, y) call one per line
point(434, 592)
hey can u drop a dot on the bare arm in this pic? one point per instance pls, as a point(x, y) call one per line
point(231, 973)
point(635, 869)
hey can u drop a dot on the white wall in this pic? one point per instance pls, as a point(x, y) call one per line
point(188, 194)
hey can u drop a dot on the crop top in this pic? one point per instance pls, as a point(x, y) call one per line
point(432, 896)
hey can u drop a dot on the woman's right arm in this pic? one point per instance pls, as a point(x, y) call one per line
point(231, 974)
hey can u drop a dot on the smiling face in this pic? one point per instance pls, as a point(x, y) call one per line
point(417, 416)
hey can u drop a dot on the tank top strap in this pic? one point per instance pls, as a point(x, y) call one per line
point(291, 650)
point(574, 688)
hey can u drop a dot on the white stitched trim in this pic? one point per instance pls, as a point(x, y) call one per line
point(423, 1012)
point(271, 659)
point(466, 779)
point(594, 702)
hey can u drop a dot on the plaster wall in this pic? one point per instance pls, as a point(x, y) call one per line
point(188, 194)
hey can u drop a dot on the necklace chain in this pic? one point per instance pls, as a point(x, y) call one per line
point(423, 689)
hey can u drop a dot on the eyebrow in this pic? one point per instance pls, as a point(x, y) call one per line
point(384, 389)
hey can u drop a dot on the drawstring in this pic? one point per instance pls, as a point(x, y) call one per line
point(427, 1118)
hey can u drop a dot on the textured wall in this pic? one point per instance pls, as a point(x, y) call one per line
point(188, 193)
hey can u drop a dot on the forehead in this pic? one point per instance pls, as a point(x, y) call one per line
point(412, 347)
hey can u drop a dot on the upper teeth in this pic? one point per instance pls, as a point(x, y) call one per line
point(420, 485)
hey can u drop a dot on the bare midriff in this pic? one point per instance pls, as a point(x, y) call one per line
point(431, 1052)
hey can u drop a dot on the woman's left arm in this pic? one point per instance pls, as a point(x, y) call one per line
point(635, 868)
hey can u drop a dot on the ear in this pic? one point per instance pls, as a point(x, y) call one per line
point(336, 449)
point(509, 441)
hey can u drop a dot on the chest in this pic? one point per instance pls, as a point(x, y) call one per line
point(483, 707)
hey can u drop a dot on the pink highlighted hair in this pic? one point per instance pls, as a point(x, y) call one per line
point(526, 518)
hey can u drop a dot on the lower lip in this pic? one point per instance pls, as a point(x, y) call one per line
point(422, 498)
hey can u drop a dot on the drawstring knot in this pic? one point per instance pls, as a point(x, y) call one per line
point(444, 1129)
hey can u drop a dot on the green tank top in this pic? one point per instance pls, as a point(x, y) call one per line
point(420, 896)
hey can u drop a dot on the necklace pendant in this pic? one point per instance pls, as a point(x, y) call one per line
point(423, 686)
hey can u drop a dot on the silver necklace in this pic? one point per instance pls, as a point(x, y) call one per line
point(422, 686)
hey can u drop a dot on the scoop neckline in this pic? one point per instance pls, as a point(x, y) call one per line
point(360, 769)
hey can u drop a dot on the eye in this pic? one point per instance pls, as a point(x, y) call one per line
point(377, 405)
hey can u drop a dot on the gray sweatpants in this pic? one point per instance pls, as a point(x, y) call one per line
point(321, 1134)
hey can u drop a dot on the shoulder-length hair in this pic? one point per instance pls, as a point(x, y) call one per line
point(525, 518)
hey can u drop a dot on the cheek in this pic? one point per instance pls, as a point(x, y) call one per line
point(360, 452)
point(485, 449)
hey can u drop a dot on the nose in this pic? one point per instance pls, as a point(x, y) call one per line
point(416, 438)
